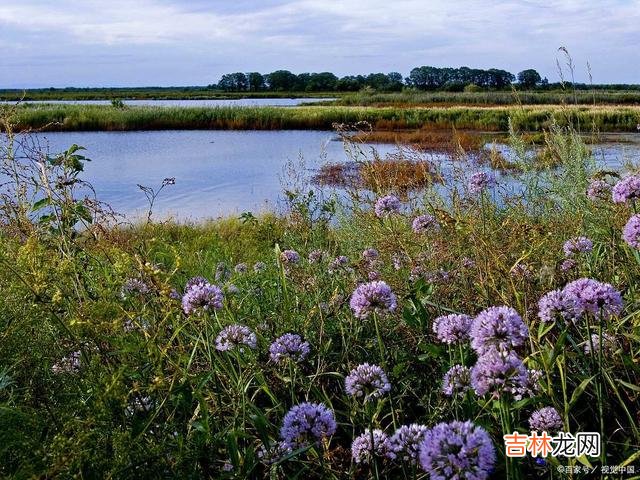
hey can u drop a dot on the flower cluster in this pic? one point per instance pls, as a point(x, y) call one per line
point(317, 256)
point(591, 296)
point(425, 223)
point(367, 382)
point(340, 264)
point(68, 364)
point(577, 245)
point(370, 254)
point(288, 346)
point(546, 419)
point(367, 443)
point(134, 286)
point(235, 336)
point(201, 295)
point(407, 441)
point(497, 373)
point(289, 257)
point(305, 424)
point(457, 450)
point(627, 189)
point(608, 343)
point(498, 328)
point(457, 381)
point(598, 190)
point(372, 297)
point(631, 232)
point(241, 268)
point(480, 181)
point(452, 329)
point(386, 206)
point(259, 267)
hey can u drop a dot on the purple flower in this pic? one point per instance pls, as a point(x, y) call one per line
point(235, 336)
point(222, 273)
point(340, 263)
point(626, 189)
point(598, 190)
point(577, 245)
point(407, 441)
point(568, 264)
point(609, 343)
point(457, 450)
point(307, 423)
point(456, 381)
point(367, 382)
point(134, 286)
point(424, 223)
point(468, 263)
point(361, 448)
point(631, 232)
point(387, 205)
point(371, 276)
point(396, 260)
point(241, 268)
point(317, 256)
point(288, 346)
point(69, 364)
point(591, 296)
point(480, 181)
point(273, 453)
point(370, 254)
point(259, 267)
point(200, 294)
point(522, 271)
point(497, 373)
point(452, 328)
point(372, 297)
point(289, 257)
point(498, 328)
point(554, 305)
point(546, 419)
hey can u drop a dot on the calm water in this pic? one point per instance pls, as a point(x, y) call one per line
point(240, 102)
point(227, 172)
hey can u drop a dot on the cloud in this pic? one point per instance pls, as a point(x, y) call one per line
point(350, 36)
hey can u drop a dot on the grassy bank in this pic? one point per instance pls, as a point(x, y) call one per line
point(115, 362)
point(530, 118)
point(414, 98)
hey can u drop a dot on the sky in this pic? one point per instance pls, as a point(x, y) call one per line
point(87, 43)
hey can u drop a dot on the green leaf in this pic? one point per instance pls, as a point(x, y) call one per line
point(43, 202)
point(579, 391)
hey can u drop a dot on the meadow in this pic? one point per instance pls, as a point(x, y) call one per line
point(396, 333)
point(52, 117)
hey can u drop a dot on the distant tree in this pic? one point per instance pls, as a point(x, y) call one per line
point(233, 82)
point(321, 82)
point(529, 78)
point(350, 83)
point(394, 80)
point(281, 80)
point(255, 80)
point(499, 78)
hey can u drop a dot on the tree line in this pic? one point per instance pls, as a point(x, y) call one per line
point(421, 78)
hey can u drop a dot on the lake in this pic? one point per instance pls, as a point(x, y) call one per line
point(223, 172)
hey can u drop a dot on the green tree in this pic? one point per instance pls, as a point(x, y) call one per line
point(255, 80)
point(529, 78)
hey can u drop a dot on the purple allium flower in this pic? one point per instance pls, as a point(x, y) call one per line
point(370, 254)
point(457, 450)
point(288, 346)
point(407, 441)
point(480, 181)
point(372, 276)
point(69, 364)
point(307, 423)
point(372, 297)
point(134, 286)
point(241, 268)
point(546, 419)
point(626, 189)
point(259, 267)
point(497, 328)
point(577, 245)
point(396, 260)
point(367, 382)
point(317, 256)
point(425, 223)
point(340, 264)
point(456, 381)
point(591, 296)
point(289, 257)
point(175, 294)
point(497, 373)
point(568, 264)
point(222, 272)
point(468, 263)
point(273, 453)
point(231, 289)
point(452, 328)
point(387, 205)
point(361, 447)
point(553, 305)
point(235, 336)
point(522, 271)
point(609, 343)
point(598, 190)
point(200, 294)
point(631, 232)
point(194, 281)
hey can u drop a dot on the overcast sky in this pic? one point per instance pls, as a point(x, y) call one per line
point(192, 42)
